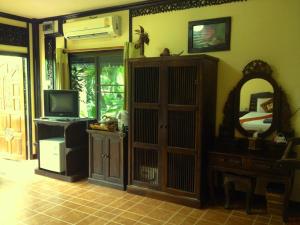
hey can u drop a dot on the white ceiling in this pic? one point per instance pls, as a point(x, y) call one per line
point(48, 8)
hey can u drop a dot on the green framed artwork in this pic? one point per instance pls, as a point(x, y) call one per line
point(209, 35)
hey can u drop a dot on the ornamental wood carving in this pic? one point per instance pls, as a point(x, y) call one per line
point(172, 5)
point(50, 60)
point(12, 35)
point(281, 111)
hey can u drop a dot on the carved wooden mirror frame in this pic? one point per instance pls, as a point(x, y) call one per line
point(281, 109)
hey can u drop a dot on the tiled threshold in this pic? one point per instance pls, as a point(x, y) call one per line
point(26, 198)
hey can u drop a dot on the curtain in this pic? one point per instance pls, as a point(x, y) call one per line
point(125, 58)
point(62, 80)
point(129, 52)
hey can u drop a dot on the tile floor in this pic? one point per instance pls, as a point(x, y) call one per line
point(30, 199)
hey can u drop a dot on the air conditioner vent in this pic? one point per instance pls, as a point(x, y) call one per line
point(93, 27)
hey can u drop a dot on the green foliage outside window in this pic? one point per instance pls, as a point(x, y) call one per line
point(110, 88)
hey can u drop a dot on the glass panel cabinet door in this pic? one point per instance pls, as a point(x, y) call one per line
point(145, 116)
point(181, 131)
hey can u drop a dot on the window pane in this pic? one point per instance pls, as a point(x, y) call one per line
point(83, 78)
point(112, 74)
point(111, 84)
point(111, 103)
point(109, 88)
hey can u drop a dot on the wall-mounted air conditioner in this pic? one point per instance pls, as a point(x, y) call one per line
point(108, 26)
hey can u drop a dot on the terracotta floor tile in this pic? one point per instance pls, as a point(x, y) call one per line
point(140, 208)
point(94, 205)
point(197, 212)
point(215, 216)
point(172, 207)
point(123, 220)
point(57, 211)
point(92, 220)
point(70, 205)
point(38, 220)
point(235, 220)
point(161, 214)
point(131, 216)
point(44, 201)
point(151, 221)
point(126, 205)
point(205, 222)
point(177, 219)
point(104, 215)
point(112, 210)
point(189, 220)
point(86, 209)
point(73, 216)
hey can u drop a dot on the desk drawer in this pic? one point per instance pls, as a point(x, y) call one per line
point(227, 161)
point(267, 167)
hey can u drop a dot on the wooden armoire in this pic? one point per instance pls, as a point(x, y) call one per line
point(172, 107)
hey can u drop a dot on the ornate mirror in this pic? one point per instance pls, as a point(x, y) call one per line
point(256, 105)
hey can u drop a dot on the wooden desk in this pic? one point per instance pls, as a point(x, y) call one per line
point(234, 157)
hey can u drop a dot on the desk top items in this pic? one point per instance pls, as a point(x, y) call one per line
point(106, 124)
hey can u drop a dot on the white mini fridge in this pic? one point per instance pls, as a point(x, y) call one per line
point(52, 154)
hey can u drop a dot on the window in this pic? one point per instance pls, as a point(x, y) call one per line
point(99, 77)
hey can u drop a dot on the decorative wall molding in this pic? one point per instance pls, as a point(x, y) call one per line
point(14, 17)
point(50, 47)
point(172, 5)
point(12, 35)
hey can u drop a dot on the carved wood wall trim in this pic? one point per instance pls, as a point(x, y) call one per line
point(282, 113)
point(50, 47)
point(172, 5)
point(12, 35)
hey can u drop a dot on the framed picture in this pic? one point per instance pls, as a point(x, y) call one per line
point(209, 35)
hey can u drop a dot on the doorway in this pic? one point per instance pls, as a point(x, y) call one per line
point(13, 110)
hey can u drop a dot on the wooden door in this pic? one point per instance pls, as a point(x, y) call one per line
point(145, 144)
point(114, 159)
point(182, 134)
point(12, 114)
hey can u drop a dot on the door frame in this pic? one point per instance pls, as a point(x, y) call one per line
point(27, 100)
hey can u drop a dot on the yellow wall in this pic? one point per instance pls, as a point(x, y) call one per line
point(261, 29)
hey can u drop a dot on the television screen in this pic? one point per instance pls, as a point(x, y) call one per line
point(61, 103)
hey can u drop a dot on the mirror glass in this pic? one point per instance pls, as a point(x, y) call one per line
point(256, 105)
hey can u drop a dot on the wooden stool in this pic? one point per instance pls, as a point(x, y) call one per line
point(233, 180)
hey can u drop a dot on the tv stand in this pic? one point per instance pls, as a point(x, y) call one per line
point(76, 146)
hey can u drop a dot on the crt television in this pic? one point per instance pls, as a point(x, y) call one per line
point(61, 103)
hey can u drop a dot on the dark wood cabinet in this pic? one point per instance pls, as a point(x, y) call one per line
point(172, 104)
point(106, 158)
point(234, 157)
point(73, 132)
